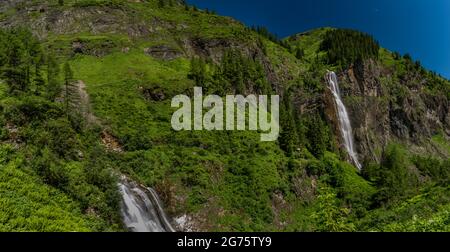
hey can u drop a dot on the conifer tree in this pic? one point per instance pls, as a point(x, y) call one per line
point(161, 4)
point(288, 136)
point(39, 81)
point(198, 71)
point(53, 86)
point(16, 71)
point(299, 53)
point(68, 87)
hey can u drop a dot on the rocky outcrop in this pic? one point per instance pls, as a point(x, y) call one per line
point(378, 116)
point(214, 48)
point(163, 52)
point(98, 47)
point(44, 20)
point(154, 93)
point(380, 113)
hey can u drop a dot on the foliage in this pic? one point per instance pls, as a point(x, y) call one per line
point(20, 60)
point(347, 46)
point(229, 180)
point(330, 217)
point(264, 32)
point(56, 192)
point(392, 177)
point(434, 168)
point(352, 189)
point(425, 212)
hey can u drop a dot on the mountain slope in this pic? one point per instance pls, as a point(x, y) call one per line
point(134, 56)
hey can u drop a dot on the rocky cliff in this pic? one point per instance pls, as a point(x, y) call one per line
point(134, 56)
point(381, 115)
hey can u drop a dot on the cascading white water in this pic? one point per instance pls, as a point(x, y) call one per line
point(141, 209)
point(344, 121)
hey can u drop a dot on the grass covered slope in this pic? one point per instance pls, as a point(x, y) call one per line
point(27, 204)
point(135, 56)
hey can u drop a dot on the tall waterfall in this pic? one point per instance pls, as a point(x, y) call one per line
point(344, 121)
point(141, 209)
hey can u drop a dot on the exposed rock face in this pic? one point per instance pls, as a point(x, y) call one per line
point(163, 52)
point(154, 93)
point(97, 48)
point(214, 48)
point(378, 116)
point(92, 19)
point(110, 142)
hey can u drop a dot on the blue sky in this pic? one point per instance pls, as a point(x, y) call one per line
point(419, 27)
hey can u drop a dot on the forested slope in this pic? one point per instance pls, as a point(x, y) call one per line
point(134, 56)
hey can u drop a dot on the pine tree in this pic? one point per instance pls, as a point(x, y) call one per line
point(318, 135)
point(288, 136)
point(68, 87)
point(76, 110)
point(53, 85)
point(16, 71)
point(346, 46)
point(299, 53)
point(20, 59)
point(161, 4)
point(198, 71)
point(38, 81)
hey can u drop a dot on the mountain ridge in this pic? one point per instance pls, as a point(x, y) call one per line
point(135, 55)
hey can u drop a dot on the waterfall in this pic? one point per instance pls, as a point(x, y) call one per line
point(142, 209)
point(344, 121)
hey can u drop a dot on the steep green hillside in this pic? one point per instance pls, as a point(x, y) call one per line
point(134, 56)
point(27, 204)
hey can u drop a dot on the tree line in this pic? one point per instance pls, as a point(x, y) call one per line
point(345, 47)
point(27, 70)
point(235, 73)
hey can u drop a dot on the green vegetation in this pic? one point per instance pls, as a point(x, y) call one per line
point(64, 175)
point(56, 174)
point(347, 46)
point(27, 204)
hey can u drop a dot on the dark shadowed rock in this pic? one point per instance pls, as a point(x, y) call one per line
point(163, 52)
point(153, 93)
point(379, 115)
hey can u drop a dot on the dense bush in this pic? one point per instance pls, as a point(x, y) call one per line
point(437, 169)
point(427, 211)
point(393, 176)
point(352, 189)
point(330, 217)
